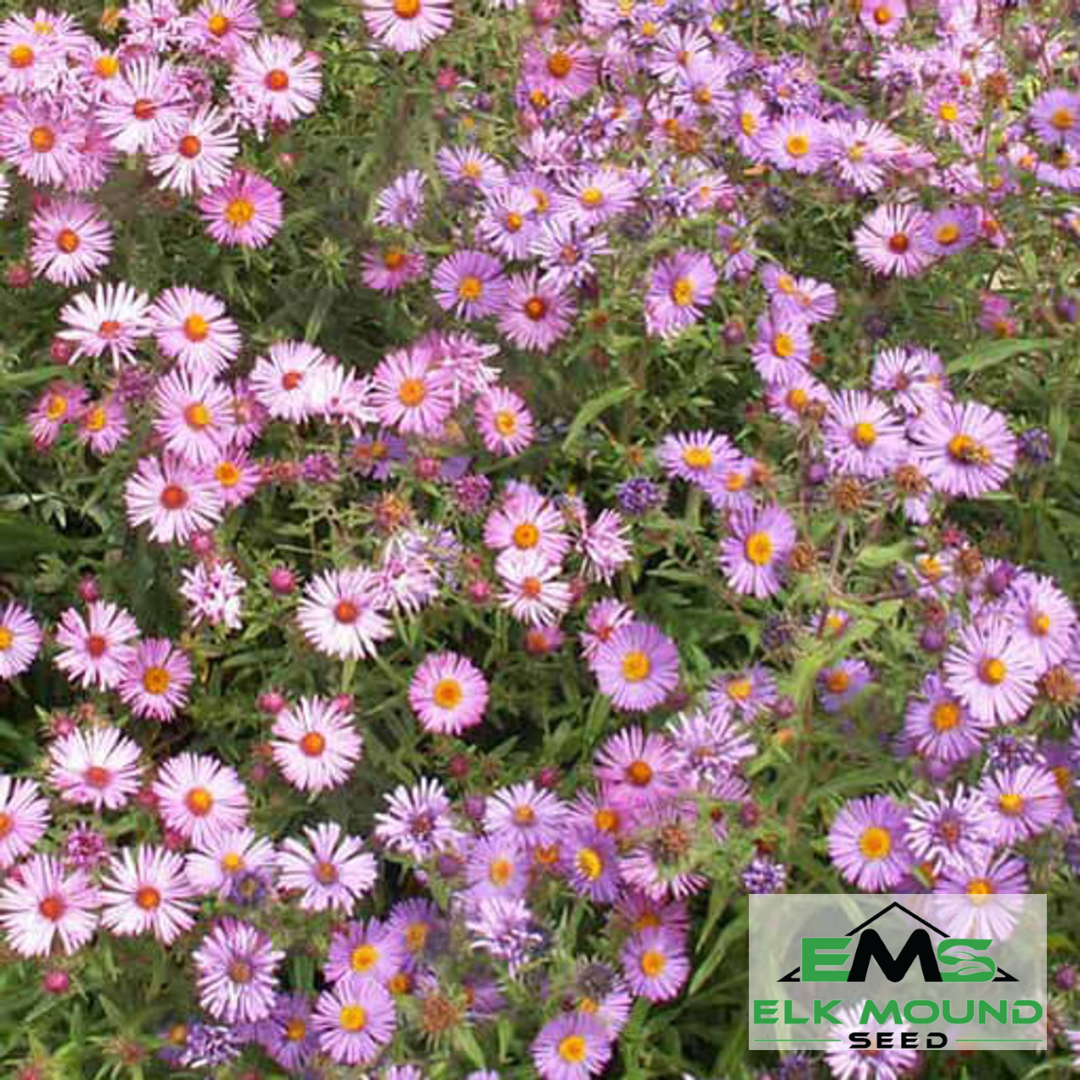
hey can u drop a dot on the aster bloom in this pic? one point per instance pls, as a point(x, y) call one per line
point(965, 449)
point(504, 421)
point(193, 416)
point(868, 843)
point(883, 18)
point(939, 725)
point(573, 1046)
point(96, 650)
point(214, 594)
point(894, 239)
point(245, 211)
point(448, 693)
point(147, 892)
point(532, 591)
point(992, 671)
point(40, 142)
point(236, 967)
point(225, 857)
point(534, 818)
point(637, 667)
point(496, 867)
point(332, 873)
point(710, 745)
point(796, 141)
point(848, 1062)
point(354, 1020)
point(193, 328)
point(198, 797)
point(1044, 617)
point(841, 684)
point(274, 81)
point(198, 155)
point(416, 821)
point(341, 613)
point(681, 287)
point(102, 425)
point(590, 861)
point(411, 393)
point(71, 241)
point(604, 546)
point(156, 680)
point(503, 927)
point(407, 25)
point(365, 950)
point(950, 829)
point(46, 903)
point(145, 107)
point(595, 196)
point(655, 964)
point(862, 436)
point(699, 457)
point(782, 347)
point(62, 402)
point(316, 744)
point(401, 204)
point(98, 767)
point(283, 381)
point(535, 313)
point(979, 897)
point(470, 283)
point(1023, 802)
point(526, 521)
point(389, 269)
point(24, 817)
point(20, 639)
point(1055, 117)
point(638, 768)
point(754, 554)
point(751, 692)
point(115, 320)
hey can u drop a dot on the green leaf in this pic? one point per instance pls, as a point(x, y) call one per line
point(592, 409)
point(990, 353)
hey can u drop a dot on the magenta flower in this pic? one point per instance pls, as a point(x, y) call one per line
point(20, 639)
point(71, 241)
point(535, 313)
point(681, 288)
point(894, 239)
point(96, 650)
point(754, 555)
point(199, 797)
point(655, 963)
point(115, 320)
point(862, 436)
point(245, 211)
point(407, 25)
point(236, 967)
point(24, 818)
point(868, 843)
point(332, 873)
point(173, 498)
point(1023, 802)
point(316, 745)
point(342, 613)
point(965, 449)
point(98, 767)
point(274, 81)
point(992, 671)
point(573, 1046)
point(637, 667)
point(147, 892)
point(448, 693)
point(46, 902)
point(354, 1021)
point(156, 680)
point(470, 283)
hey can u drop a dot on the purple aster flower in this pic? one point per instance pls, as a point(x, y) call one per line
point(235, 965)
point(862, 436)
point(755, 553)
point(1055, 116)
point(365, 950)
point(868, 843)
point(416, 821)
point(841, 684)
point(591, 864)
point(939, 726)
point(1044, 617)
point(680, 289)
point(287, 1034)
point(782, 347)
point(525, 813)
point(637, 667)
point(470, 283)
point(964, 448)
point(354, 1021)
point(655, 964)
point(851, 1063)
point(894, 239)
point(992, 671)
point(573, 1046)
point(1024, 801)
point(503, 928)
point(950, 829)
point(535, 314)
point(980, 897)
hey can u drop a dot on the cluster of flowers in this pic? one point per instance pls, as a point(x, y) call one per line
point(72, 109)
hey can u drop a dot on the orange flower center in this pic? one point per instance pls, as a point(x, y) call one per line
point(313, 744)
point(67, 240)
point(148, 898)
point(190, 146)
point(173, 497)
point(277, 80)
point(199, 801)
point(155, 680)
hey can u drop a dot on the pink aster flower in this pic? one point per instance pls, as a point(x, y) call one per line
point(342, 613)
point(531, 589)
point(893, 239)
point(527, 521)
point(470, 283)
point(173, 498)
point(572, 1046)
point(883, 18)
point(638, 767)
point(103, 425)
point(796, 141)
point(98, 767)
point(605, 546)
point(525, 813)
point(332, 873)
point(146, 891)
point(145, 108)
point(223, 857)
point(274, 81)
point(417, 821)
point(199, 797)
point(1023, 801)
point(595, 196)
point(401, 203)
point(1044, 617)
point(354, 1021)
point(193, 328)
point(754, 555)
point(114, 320)
point(681, 287)
point(407, 25)
point(408, 391)
point(236, 967)
point(504, 421)
point(448, 693)
point(862, 435)
point(948, 830)
point(365, 950)
point(40, 141)
point(71, 241)
point(389, 269)
point(193, 417)
point(62, 402)
point(637, 667)
point(868, 843)
point(245, 211)
point(96, 650)
point(316, 744)
point(782, 348)
point(535, 313)
point(284, 380)
point(1055, 116)
point(220, 27)
point(939, 725)
point(992, 671)
point(964, 449)
point(46, 902)
point(198, 155)
point(24, 817)
point(20, 639)
point(156, 680)
point(655, 963)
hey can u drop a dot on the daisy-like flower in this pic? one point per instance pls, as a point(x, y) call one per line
point(220, 27)
point(711, 745)
point(1023, 802)
point(637, 667)
point(638, 768)
point(236, 967)
point(681, 287)
point(939, 725)
point(950, 829)
point(199, 797)
point(1044, 617)
point(1055, 116)
point(46, 902)
point(407, 25)
point(534, 818)
point(98, 768)
point(841, 684)
point(862, 436)
point(751, 692)
point(114, 320)
point(535, 313)
point(797, 141)
point(225, 856)
point(573, 1046)
point(595, 196)
point(388, 269)
point(193, 328)
point(470, 283)
point(699, 457)
point(848, 1062)
point(95, 651)
point(20, 639)
point(146, 106)
point(408, 391)
point(71, 241)
point(992, 671)
point(448, 693)
point(245, 211)
point(103, 425)
point(894, 239)
point(193, 416)
point(287, 1035)
point(24, 817)
point(274, 81)
point(147, 892)
point(883, 18)
point(354, 1021)
point(416, 821)
point(198, 155)
point(342, 613)
point(401, 204)
point(283, 381)
point(527, 521)
point(29, 59)
point(782, 347)
point(61, 403)
point(655, 964)
point(532, 591)
point(591, 863)
point(173, 498)
point(504, 421)
point(951, 229)
point(964, 449)
point(214, 592)
point(754, 555)
point(508, 225)
point(868, 843)
point(472, 167)
point(316, 744)
point(365, 950)
point(979, 897)
point(332, 873)
point(41, 142)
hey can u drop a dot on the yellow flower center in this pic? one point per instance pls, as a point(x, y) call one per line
point(199, 801)
point(590, 863)
point(471, 288)
point(875, 843)
point(1011, 803)
point(864, 434)
point(148, 898)
point(500, 872)
point(364, 958)
point(949, 111)
point(526, 535)
point(783, 346)
point(228, 475)
point(748, 123)
point(197, 416)
point(57, 407)
point(798, 145)
point(591, 197)
point(505, 422)
point(993, 671)
point(22, 56)
point(639, 773)
point(948, 233)
point(682, 292)
point(697, 457)
point(653, 963)
point(636, 666)
point(412, 392)
point(313, 744)
point(759, 548)
point(448, 693)
point(560, 64)
point(196, 328)
point(573, 1049)
point(406, 9)
point(295, 1030)
point(945, 716)
point(1040, 624)
point(739, 689)
point(239, 211)
point(1062, 119)
point(155, 680)
point(352, 1018)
